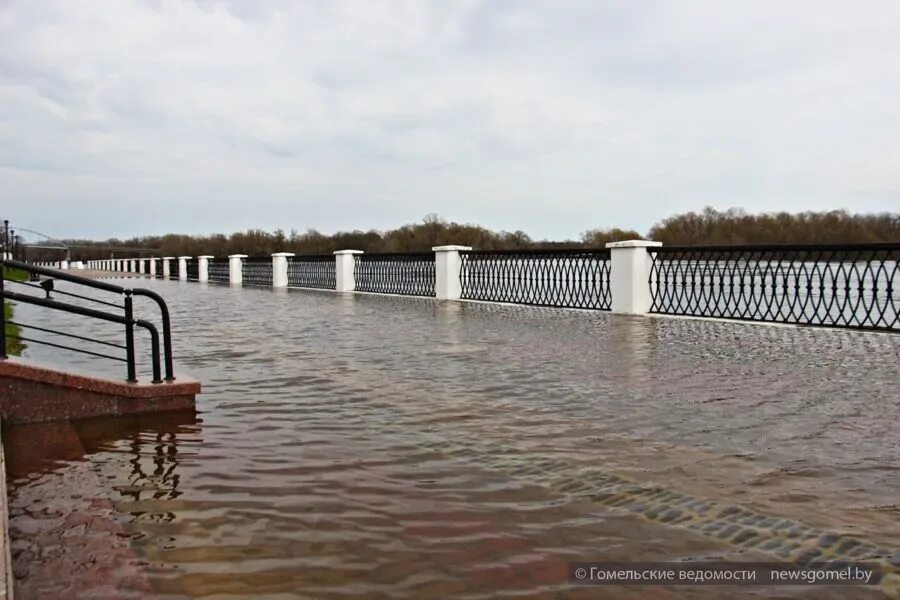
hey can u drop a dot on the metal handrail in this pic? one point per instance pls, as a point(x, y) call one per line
point(776, 247)
point(167, 328)
point(62, 275)
point(536, 251)
point(128, 319)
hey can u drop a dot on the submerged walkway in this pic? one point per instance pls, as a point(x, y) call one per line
point(368, 446)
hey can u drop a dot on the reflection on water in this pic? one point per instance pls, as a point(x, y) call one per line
point(371, 447)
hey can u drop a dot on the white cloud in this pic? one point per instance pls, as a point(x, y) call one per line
point(550, 117)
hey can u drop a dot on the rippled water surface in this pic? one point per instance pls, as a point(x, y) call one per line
point(361, 446)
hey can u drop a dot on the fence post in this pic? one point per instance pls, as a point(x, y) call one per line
point(153, 268)
point(182, 267)
point(629, 278)
point(203, 267)
point(343, 270)
point(280, 269)
point(63, 264)
point(447, 284)
point(236, 269)
point(167, 266)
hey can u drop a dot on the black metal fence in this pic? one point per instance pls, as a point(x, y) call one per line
point(257, 271)
point(849, 285)
point(313, 271)
point(565, 278)
point(173, 268)
point(193, 269)
point(407, 274)
point(218, 270)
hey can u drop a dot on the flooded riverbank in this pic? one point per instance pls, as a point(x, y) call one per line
point(365, 446)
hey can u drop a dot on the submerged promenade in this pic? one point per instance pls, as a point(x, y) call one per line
point(365, 445)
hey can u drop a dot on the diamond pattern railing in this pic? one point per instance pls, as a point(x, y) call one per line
point(564, 278)
point(836, 285)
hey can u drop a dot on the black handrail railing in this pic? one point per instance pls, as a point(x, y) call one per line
point(257, 270)
point(410, 274)
point(218, 270)
point(127, 319)
point(312, 271)
point(833, 285)
point(564, 277)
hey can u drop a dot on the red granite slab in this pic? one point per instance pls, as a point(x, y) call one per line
point(32, 393)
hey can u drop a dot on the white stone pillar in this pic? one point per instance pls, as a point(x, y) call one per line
point(203, 267)
point(167, 266)
point(280, 269)
point(629, 278)
point(132, 268)
point(153, 268)
point(64, 264)
point(140, 262)
point(343, 268)
point(182, 267)
point(236, 269)
point(447, 285)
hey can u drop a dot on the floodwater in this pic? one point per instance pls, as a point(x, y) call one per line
point(362, 446)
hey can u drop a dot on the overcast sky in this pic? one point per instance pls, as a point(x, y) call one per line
point(140, 117)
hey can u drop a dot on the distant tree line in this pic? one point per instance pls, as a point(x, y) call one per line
point(734, 227)
point(709, 227)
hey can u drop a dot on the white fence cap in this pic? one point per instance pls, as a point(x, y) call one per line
point(348, 252)
point(450, 248)
point(283, 254)
point(237, 256)
point(634, 244)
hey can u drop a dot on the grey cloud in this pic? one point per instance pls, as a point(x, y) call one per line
point(550, 117)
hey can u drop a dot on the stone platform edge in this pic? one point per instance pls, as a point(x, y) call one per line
point(6, 573)
point(31, 393)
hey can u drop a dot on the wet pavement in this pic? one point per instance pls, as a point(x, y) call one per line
point(361, 446)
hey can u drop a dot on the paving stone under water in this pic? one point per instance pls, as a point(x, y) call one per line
point(353, 446)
